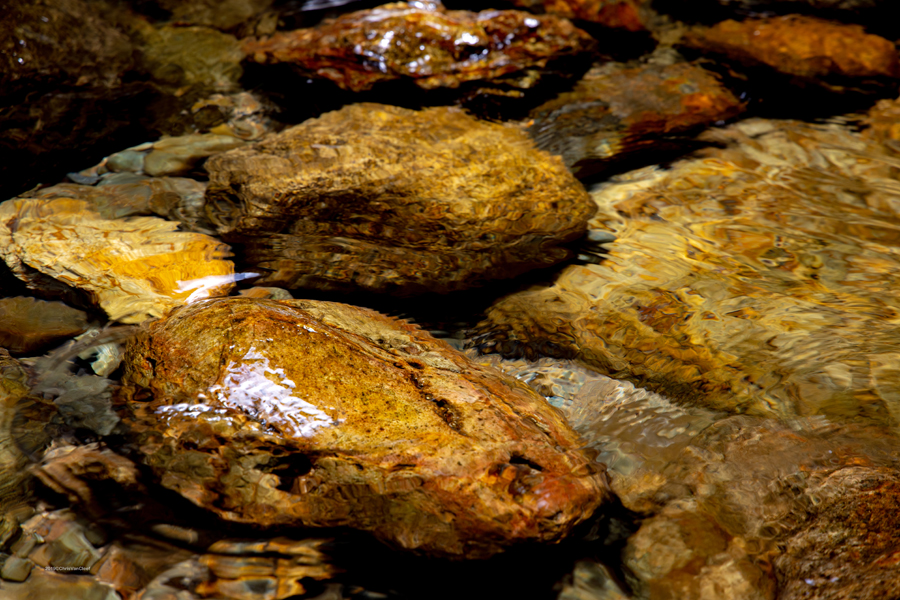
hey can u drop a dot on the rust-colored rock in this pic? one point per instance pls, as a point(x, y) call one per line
point(851, 548)
point(28, 325)
point(424, 43)
point(751, 279)
point(322, 414)
point(806, 47)
point(387, 199)
point(614, 113)
point(132, 268)
point(616, 14)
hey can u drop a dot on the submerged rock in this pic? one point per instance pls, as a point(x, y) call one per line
point(750, 280)
point(611, 115)
point(192, 56)
point(64, 88)
point(28, 326)
point(814, 50)
point(268, 412)
point(728, 497)
point(132, 268)
point(424, 43)
point(119, 195)
point(851, 548)
point(15, 481)
point(52, 45)
point(387, 199)
point(176, 155)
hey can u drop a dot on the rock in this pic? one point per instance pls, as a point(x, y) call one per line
point(875, 14)
point(177, 155)
point(63, 89)
point(592, 581)
point(119, 195)
point(16, 569)
point(747, 280)
point(224, 14)
point(28, 326)
point(616, 14)
point(72, 470)
point(436, 454)
point(132, 268)
point(130, 563)
point(269, 293)
point(52, 585)
point(272, 569)
point(613, 114)
point(851, 548)
point(192, 56)
point(426, 44)
point(242, 115)
point(637, 434)
point(52, 45)
point(814, 50)
point(385, 199)
point(727, 499)
point(15, 481)
point(682, 554)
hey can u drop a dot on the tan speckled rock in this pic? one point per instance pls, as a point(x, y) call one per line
point(322, 414)
point(132, 268)
point(387, 199)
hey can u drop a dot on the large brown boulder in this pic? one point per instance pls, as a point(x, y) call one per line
point(322, 414)
point(424, 43)
point(386, 199)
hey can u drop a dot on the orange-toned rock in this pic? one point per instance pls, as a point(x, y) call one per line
point(132, 268)
point(806, 47)
point(613, 114)
point(386, 199)
point(752, 279)
point(617, 14)
point(424, 43)
point(323, 414)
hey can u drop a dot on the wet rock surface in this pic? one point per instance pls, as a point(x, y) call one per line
point(426, 44)
point(131, 268)
point(435, 455)
point(385, 199)
point(720, 252)
point(811, 49)
point(613, 114)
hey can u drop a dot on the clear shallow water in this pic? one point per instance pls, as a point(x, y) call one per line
point(775, 257)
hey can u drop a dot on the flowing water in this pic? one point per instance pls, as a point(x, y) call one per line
point(724, 341)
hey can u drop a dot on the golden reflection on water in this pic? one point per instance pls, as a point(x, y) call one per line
point(756, 278)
